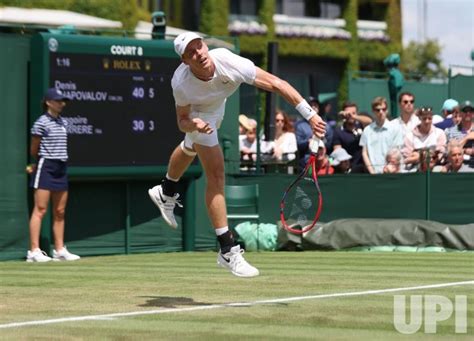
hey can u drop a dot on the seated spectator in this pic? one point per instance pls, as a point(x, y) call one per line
point(463, 132)
point(304, 134)
point(341, 161)
point(348, 135)
point(243, 124)
point(284, 146)
point(248, 144)
point(431, 158)
point(424, 137)
point(446, 119)
point(378, 138)
point(455, 159)
point(323, 166)
point(393, 161)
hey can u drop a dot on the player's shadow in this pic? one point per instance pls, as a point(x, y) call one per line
point(170, 302)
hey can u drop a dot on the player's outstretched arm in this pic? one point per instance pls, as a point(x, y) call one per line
point(266, 81)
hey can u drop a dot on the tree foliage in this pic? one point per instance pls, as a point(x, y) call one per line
point(423, 59)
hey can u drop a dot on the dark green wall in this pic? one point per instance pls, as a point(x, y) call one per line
point(447, 198)
point(13, 144)
point(363, 90)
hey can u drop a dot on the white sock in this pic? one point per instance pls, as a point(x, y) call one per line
point(221, 230)
point(171, 179)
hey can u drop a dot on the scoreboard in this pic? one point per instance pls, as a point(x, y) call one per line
point(122, 113)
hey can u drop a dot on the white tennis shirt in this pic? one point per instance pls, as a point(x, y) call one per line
point(207, 99)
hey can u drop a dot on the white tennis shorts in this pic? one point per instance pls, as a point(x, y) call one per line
point(208, 140)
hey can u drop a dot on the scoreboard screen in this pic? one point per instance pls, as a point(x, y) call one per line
point(122, 111)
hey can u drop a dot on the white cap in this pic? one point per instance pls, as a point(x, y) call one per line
point(181, 41)
point(340, 155)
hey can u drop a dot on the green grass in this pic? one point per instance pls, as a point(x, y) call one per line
point(120, 284)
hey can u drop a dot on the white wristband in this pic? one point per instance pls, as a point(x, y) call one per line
point(305, 110)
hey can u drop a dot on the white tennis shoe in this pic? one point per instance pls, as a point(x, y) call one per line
point(235, 263)
point(165, 203)
point(37, 255)
point(64, 255)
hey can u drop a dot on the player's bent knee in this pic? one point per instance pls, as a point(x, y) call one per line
point(186, 150)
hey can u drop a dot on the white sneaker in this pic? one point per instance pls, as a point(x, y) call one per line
point(235, 263)
point(166, 204)
point(37, 256)
point(64, 254)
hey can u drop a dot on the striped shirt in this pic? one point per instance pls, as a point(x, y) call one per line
point(53, 135)
point(457, 132)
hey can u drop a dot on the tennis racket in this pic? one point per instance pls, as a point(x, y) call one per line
point(302, 202)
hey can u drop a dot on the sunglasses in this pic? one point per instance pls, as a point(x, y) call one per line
point(406, 102)
point(426, 109)
point(380, 109)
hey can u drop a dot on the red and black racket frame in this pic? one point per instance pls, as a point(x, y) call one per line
point(311, 163)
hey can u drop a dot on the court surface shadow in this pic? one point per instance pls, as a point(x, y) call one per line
point(170, 302)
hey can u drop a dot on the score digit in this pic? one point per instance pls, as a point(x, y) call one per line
point(138, 92)
point(151, 125)
point(151, 93)
point(138, 125)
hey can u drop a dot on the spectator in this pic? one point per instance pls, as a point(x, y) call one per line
point(431, 158)
point(248, 144)
point(455, 159)
point(463, 132)
point(407, 119)
point(348, 135)
point(393, 161)
point(304, 134)
point(446, 119)
point(243, 124)
point(378, 138)
point(341, 161)
point(284, 146)
point(323, 166)
point(49, 177)
point(425, 136)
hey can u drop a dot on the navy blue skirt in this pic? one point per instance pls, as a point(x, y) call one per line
point(50, 175)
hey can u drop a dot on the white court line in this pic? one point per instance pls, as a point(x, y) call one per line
point(226, 305)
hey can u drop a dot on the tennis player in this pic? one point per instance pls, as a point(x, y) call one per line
point(201, 85)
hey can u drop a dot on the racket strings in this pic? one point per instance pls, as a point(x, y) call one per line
point(301, 203)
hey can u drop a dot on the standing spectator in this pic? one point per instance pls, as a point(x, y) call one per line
point(445, 121)
point(348, 135)
point(341, 161)
point(424, 136)
point(407, 120)
point(393, 161)
point(284, 146)
point(49, 176)
point(378, 138)
point(463, 132)
point(304, 134)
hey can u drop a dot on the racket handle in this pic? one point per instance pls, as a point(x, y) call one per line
point(314, 144)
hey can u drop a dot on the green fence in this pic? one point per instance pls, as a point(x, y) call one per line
point(461, 87)
point(363, 90)
point(13, 144)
